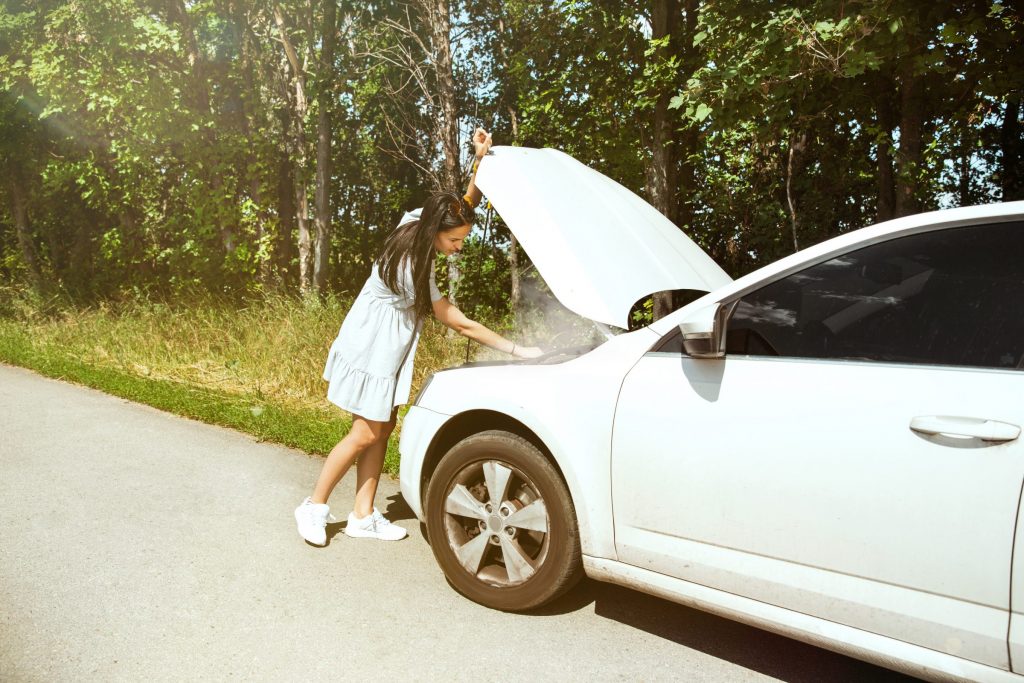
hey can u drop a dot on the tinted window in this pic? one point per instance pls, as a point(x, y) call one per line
point(670, 343)
point(950, 297)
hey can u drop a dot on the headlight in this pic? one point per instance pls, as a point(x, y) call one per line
point(423, 390)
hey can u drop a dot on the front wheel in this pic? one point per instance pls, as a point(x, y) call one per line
point(501, 523)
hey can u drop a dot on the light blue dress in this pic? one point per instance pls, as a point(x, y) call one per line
point(369, 366)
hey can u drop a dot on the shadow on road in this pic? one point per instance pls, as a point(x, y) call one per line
point(335, 528)
point(397, 510)
point(766, 653)
point(751, 648)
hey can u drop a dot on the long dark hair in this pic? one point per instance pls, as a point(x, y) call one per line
point(414, 242)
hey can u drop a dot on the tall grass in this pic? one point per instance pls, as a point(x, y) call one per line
point(268, 353)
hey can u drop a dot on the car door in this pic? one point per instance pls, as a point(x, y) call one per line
point(856, 455)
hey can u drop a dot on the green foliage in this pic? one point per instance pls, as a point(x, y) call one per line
point(159, 152)
point(644, 314)
point(484, 274)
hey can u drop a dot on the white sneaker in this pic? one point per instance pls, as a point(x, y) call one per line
point(374, 526)
point(312, 521)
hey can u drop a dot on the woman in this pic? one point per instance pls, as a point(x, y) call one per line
point(369, 366)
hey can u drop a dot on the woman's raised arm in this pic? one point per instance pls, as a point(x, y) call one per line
point(481, 143)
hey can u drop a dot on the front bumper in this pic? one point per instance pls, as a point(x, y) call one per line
point(418, 429)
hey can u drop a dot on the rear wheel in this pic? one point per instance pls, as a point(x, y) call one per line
point(501, 523)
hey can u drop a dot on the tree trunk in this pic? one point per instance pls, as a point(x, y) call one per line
point(300, 107)
point(687, 178)
point(689, 137)
point(247, 98)
point(1012, 148)
point(662, 166)
point(910, 154)
point(284, 241)
point(82, 261)
point(964, 177)
point(660, 170)
point(19, 212)
point(886, 205)
point(515, 293)
point(446, 121)
point(302, 220)
point(796, 147)
point(324, 97)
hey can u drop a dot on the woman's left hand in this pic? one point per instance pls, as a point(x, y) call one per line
point(482, 142)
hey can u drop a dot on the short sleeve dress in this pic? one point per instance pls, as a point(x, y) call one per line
point(369, 366)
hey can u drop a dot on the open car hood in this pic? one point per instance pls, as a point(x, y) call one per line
point(599, 247)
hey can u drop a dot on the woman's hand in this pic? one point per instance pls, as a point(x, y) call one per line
point(482, 142)
point(528, 352)
point(453, 318)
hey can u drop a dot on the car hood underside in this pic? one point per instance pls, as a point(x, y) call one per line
point(599, 247)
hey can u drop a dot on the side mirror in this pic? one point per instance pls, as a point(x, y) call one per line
point(703, 331)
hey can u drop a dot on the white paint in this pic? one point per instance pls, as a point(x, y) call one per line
point(599, 247)
point(888, 652)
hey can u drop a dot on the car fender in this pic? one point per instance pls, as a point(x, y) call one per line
point(570, 408)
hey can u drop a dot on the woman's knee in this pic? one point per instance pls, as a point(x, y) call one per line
point(367, 433)
point(360, 436)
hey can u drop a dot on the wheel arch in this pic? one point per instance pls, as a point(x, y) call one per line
point(472, 422)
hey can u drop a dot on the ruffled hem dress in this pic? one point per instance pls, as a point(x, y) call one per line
point(369, 367)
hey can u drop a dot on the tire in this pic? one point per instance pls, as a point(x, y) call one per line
point(510, 559)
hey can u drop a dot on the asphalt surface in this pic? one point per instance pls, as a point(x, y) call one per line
point(137, 545)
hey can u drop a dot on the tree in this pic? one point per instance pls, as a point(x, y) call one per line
point(168, 146)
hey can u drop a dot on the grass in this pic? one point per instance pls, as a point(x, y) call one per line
point(256, 368)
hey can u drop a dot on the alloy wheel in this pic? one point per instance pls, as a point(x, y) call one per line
point(496, 523)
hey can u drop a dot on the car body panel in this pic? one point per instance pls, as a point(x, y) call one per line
point(1016, 638)
point(419, 427)
point(579, 440)
point(822, 514)
point(894, 654)
point(599, 247)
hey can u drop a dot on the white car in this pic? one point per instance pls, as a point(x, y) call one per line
point(828, 448)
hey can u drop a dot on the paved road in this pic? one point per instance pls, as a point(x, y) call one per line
point(138, 545)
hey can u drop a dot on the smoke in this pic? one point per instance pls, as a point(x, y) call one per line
point(540, 319)
point(543, 321)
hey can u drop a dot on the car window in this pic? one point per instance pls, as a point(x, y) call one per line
point(949, 297)
point(670, 343)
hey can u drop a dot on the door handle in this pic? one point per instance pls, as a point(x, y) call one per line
point(987, 430)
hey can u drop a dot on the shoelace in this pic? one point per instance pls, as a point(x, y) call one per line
point(379, 519)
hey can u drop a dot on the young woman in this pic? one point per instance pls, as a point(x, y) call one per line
point(369, 366)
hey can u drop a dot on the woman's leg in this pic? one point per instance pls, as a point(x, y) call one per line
point(363, 434)
point(368, 470)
